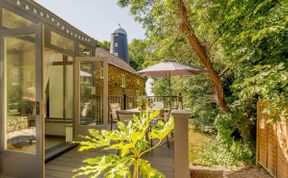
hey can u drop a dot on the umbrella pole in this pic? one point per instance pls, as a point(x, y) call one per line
point(169, 84)
point(169, 89)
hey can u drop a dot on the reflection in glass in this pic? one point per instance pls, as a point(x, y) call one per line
point(61, 41)
point(91, 93)
point(20, 93)
point(99, 83)
point(12, 20)
point(84, 51)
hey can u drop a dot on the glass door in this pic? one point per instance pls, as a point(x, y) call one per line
point(91, 94)
point(21, 127)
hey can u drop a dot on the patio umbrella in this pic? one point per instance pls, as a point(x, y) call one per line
point(168, 69)
point(85, 74)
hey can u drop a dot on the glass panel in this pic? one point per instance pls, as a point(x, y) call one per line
point(56, 92)
point(12, 20)
point(99, 91)
point(84, 51)
point(61, 41)
point(86, 93)
point(91, 93)
point(69, 91)
point(20, 92)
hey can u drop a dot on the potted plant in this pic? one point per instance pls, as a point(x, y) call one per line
point(131, 143)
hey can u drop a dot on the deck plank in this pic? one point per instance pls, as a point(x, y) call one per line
point(63, 166)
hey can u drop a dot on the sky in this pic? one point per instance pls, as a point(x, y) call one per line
point(97, 18)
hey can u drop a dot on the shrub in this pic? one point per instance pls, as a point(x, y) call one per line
point(217, 153)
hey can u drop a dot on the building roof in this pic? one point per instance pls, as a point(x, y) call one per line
point(120, 30)
point(115, 61)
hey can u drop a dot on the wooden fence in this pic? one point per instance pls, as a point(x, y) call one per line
point(272, 144)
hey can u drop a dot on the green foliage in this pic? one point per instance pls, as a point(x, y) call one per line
point(271, 83)
point(217, 153)
point(160, 87)
point(104, 44)
point(247, 37)
point(131, 142)
point(138, 51)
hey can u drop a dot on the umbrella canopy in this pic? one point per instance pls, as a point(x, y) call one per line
point(167, 69)
point(85, 74)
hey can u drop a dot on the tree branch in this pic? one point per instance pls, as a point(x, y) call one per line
point(195, 43)
point(223, 71)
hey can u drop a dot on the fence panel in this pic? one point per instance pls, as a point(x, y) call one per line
point(272, 144)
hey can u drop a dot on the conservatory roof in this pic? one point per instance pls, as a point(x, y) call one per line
point(44, 15)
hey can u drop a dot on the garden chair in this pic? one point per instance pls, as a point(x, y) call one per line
point(114, 107)
point(158, 105)
point(124, 116)
point(165, 118)
point(85, 110)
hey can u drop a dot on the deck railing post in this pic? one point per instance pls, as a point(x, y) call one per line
point(181, 157)
point(124, 101)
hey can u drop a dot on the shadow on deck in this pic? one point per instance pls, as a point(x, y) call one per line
point(62, 166)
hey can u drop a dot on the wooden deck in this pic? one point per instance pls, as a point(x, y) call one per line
point(62, 166)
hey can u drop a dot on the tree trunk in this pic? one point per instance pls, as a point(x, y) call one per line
point(202, 54)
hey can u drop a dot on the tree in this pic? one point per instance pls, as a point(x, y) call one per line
point(104, 44)
point(137, 51)
point(150, 12)
point(245, 40)
point(202, 54)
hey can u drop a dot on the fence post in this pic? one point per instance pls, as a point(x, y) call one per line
point(181, 153)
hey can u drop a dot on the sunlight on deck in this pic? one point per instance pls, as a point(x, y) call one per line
point(62, 166)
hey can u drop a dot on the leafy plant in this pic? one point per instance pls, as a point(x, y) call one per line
point(218, 153)
point(131, 142)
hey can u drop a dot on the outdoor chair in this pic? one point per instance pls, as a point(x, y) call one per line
point(124, 116)
point(165, 118)
point(114, 107)
point(85, 110)
point(158, 105)
point(84, 113)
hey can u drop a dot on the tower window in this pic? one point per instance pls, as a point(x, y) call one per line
point(116, 45)
point(116, 54)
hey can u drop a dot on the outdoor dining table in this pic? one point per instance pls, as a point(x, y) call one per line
point(133, 110)
point(137, 110)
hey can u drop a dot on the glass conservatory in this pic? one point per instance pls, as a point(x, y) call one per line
point(48, 81)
